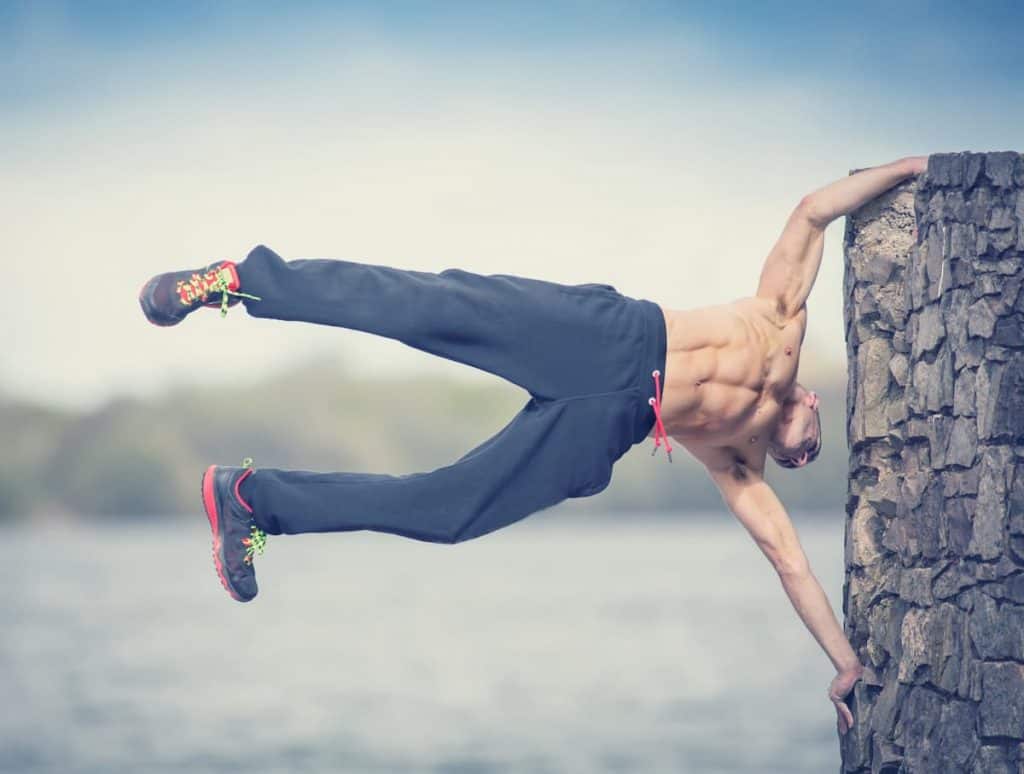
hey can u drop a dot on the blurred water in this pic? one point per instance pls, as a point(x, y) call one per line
point(559, 644)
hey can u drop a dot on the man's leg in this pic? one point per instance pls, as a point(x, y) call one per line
point(551, 450)
point(553, 340)
point(530, 464)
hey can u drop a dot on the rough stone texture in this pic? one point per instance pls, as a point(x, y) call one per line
point(934, 598)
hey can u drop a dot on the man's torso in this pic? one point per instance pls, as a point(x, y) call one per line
point(727, 370)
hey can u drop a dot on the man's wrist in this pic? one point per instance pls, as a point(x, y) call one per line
point(851, 664)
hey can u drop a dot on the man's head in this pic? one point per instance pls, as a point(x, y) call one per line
point(796, 439)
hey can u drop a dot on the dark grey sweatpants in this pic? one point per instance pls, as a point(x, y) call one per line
point(585, 353)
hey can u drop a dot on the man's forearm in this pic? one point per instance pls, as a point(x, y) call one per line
point(847, 194)
point(814, 609)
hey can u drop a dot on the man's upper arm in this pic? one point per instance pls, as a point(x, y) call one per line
point(760, 511)
point(792, 265)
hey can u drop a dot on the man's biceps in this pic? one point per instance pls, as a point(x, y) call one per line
point(747, 505)
point(774, 532)
point(764, 533)
point(777, 278)
point(761, 514)
point(788, 290)
point(731, 486)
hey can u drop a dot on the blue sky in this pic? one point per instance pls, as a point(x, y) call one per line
point(810, 42)
point(656, 146)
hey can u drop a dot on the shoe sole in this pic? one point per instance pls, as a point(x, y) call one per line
point(210, 506)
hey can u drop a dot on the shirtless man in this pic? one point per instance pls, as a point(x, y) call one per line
point(731, 397)
point(604, 372)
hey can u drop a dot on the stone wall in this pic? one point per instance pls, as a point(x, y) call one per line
point(934, 593)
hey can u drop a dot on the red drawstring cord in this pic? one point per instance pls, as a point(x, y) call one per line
point(659, 426)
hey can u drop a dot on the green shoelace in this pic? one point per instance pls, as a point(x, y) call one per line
point(257, 540)
point(221, 285)
point(254, 544)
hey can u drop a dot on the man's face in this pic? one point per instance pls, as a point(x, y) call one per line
point(797, 437)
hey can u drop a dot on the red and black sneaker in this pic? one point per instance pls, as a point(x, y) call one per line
point(168, 298)
point(236, 538)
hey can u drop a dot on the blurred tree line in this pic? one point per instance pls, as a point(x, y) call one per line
point(134, 458)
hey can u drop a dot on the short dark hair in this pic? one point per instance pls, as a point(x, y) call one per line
point(812, 454)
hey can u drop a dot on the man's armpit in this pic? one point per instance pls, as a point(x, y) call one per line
point(739, 471)
point(746, 463)
point(728, 466)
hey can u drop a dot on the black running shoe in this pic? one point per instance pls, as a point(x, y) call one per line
point(168, 298)
point(236, 538)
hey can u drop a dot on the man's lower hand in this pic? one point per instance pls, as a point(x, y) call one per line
point(841, 686)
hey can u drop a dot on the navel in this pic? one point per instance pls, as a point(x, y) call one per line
point(789, 350)
point(753, 439)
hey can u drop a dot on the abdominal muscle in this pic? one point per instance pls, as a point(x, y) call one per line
point(721, 365)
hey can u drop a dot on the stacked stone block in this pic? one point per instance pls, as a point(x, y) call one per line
point(934, 593)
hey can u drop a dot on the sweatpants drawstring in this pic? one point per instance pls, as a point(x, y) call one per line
point(659, 426)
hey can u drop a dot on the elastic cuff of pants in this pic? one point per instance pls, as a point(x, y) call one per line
point(246, 490)
point(241, 270)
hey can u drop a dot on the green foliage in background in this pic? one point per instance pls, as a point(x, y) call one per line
point(141, 458)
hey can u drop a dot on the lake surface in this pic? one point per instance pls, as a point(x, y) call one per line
point(560, 644)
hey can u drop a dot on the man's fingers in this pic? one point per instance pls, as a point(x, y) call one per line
point(844, 718)
point(849, 716)
point(841, 724)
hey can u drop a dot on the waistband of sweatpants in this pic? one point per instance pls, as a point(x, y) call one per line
point(653, 352)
